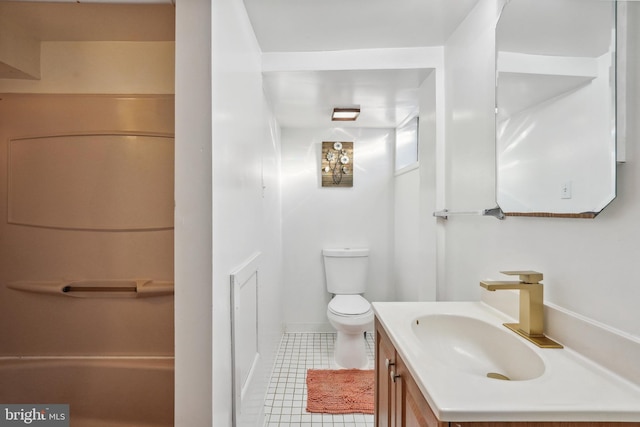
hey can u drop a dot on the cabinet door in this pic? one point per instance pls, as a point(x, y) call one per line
point(412, 410)
point(385, 361)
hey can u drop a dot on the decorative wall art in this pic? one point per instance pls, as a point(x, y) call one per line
point(337, 164)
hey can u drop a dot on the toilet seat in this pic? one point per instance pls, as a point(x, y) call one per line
point(349, 305)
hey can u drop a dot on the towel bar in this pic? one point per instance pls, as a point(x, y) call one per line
point(494, 212)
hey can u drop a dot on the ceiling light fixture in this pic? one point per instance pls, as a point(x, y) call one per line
point(345, 114)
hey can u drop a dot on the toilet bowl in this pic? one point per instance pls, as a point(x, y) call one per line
point(351, 316)
point(348, 311)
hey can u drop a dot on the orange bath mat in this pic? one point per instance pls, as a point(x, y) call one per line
point(342, 391)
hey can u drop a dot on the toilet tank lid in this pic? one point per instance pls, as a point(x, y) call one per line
point(346, 252)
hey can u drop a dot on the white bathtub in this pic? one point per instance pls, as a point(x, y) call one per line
point(109, 392)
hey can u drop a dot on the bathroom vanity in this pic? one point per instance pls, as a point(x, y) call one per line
point(399, 401)
point(454, 364)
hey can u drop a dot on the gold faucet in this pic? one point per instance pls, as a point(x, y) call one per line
point(531, 323)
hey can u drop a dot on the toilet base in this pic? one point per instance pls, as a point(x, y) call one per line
point(351, 351)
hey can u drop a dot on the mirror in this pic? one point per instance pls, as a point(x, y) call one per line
point(555, 107)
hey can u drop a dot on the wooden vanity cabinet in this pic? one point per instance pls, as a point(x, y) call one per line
point(543, 424)
point(400, 403)
point(385, 362)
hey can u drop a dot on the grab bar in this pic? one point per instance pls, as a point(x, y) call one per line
point(494, 212)
point(139, 288)
point(70, 288)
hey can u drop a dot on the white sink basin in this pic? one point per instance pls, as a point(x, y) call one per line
point(450, 347)
point(476, 347)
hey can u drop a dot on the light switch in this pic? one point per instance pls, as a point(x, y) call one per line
point(565, 190)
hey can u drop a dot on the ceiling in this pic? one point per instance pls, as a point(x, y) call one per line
point(300, 98)
point(306, 98)
point(386, 97)
point(320, 25)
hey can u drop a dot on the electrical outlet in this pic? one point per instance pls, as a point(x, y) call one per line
point(565, 190)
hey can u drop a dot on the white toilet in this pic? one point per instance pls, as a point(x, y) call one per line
point(348, 311)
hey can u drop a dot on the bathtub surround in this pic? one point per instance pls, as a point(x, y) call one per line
point(99, 347)
point(91, 348)
point(99, 391)
point(85, 60)
point(39, 247)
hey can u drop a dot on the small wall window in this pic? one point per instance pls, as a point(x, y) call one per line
point(407, 145)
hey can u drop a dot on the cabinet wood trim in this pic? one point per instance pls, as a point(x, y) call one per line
point(383, 391)
point(416, 410)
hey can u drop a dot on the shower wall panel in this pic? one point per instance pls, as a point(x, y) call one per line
point(110, 145)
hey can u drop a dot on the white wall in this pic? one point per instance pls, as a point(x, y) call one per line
point(193, 224)
point(431, 101)
point(406, 255)
point(315, 218)
point(588, 265)
point(414, 267)
point(246, 201)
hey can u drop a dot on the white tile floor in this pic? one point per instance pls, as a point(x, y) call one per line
point(287, 394)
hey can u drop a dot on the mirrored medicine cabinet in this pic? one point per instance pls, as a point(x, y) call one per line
point(556, 107)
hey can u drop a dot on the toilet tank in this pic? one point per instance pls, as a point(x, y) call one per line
point(346, 270)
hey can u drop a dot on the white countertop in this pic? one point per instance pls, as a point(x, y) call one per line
point(572, 388)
